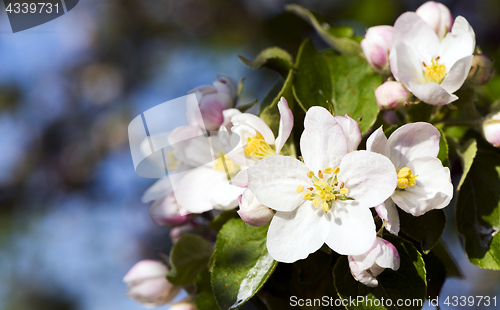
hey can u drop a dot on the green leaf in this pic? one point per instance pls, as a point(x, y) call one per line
point(443, 150)
point(242, 263)
point(343, 44)
point(205, 299)
point(188, 258)
point(221, 219)
point(342, 84)
point(478, 210)
point(312, 268)
point(467, 155)
point(426, 229)
point(452, 270)
point(273, 58)
point(435, 274)
point(420, 112)
point(408, 282)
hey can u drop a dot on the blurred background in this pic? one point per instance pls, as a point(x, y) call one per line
point(71, 220)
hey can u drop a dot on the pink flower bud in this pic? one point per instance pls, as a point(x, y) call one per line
point(376, 46)
point(392, 95)
point(213, 100)
point(165, 212)
point(177, 231)
point(183, 306)
point(481, 70)
point(147, 283)
point(491, 130)
point(252, 211)
point(438, 16)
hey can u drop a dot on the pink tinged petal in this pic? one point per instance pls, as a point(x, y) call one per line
point(229, 82)
point(211, 107)
point(322, 143)
point(166, 212)
point(153, 292)
point(274, 181)
point(241, 179)
point(457, 74)
point(352, 228)
point(491, 129)
point(228, 114)
point(362, 275)
point(352, 132)
point(294, 235)
point(255, 123)
point(433, 188)
point(182, 306)
point(457, 44)
point(377, 142)
point(252, 211)
point(406, 65)
point(286, 124)
point(387, 211)
point(388, 256)
point(370, 177)
point(145, 269)
point(437, 15)
point(366, 260)
point(412, 30)
point(376, 46)
point(412, 141)
point(158, 190)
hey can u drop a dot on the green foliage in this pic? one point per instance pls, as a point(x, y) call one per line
point(342, 84)
point(338, 38)
point(273, 58)
point(408, 282)
point(188, 258)
point(426, 229)
point(443, 150)
point(242, 264)
point(221, 219)
point(467, 155)
point(205, 299)
point(478, 209)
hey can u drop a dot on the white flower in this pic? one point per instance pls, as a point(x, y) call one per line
point(147, 283)
point(491, 130)
point(252, 211)
point(423, 183)
point(431, 69)
point(366, 267)
point(392, 95)
point(436, 15)
point(326, 198)
point(213, 100)
point(376, 46)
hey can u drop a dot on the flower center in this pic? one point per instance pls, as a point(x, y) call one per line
point(258, 148)
point(406, 178)
point(326, 189)
point(223, 163)
point(435, 72)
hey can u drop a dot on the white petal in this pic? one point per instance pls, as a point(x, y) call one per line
point(387, 211)
point(377, 142)
point(286, 124)
point(433, 188)
point(241, 179)
point(370, 177)
point(406, 65)
point(322, 143)
point(431, 93)
point(352, 228)
point(352, 132)
point(458, 43)
point(412, 141)
point(252, 211)
point(388, 256)
point(362, 275)
point(158, 190)
point(274, 181)
point(457, 74)
point(366, 260)
point(224, 196)
point(145, 269)
point(294, 235)
point(256, 123)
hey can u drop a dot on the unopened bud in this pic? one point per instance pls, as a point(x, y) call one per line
point(392, 95)
point(481, 70)
point(376, 46)
point(165, 212)
point(147, 283)
point(438, 16)
point(252, 211)
point(491, 129)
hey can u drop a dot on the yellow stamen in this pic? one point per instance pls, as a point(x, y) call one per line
point(328, 170)
point(307, 196)
point(258, 148)
point(320, 174)
point(406, 178)
point(435, 72)
point(316, 202)
point(310, 174)
point(223, 163)
point(324, 206)
point(344, 191)
point(336, 170)
point(300, 188)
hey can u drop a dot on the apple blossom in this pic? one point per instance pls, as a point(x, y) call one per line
point(325, 198)
point(389, 214)
point(392, 95)
point(436, 15)
point(252, 211)
point(491, 129)
point(165, 212)
point(423, 183)
point(213, 100)
point(376, 46)
point(431, 69)
point(482, 69)
point(366, 267)
point(147, 283)
point(183, 306)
